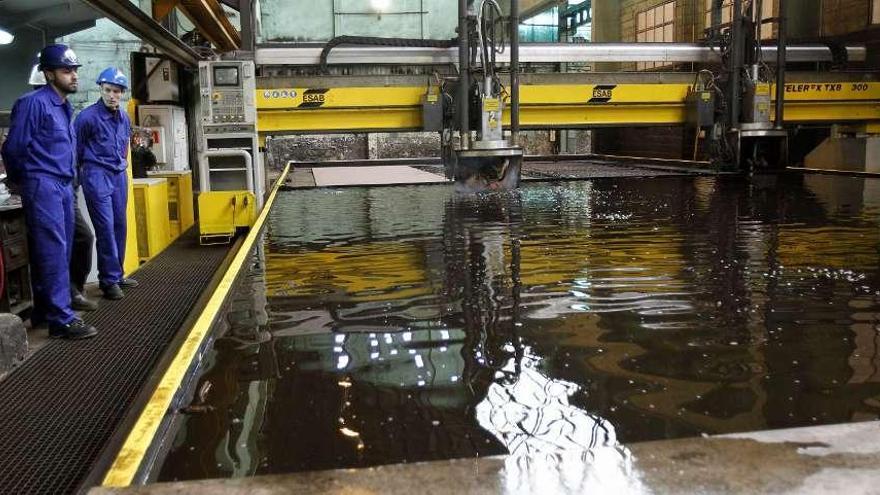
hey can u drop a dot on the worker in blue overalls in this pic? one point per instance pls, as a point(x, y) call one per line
point(103, 132)
point(40, 156)
point(83, 238)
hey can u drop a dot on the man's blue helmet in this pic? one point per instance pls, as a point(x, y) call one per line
point(58, 56)
point(113, 75)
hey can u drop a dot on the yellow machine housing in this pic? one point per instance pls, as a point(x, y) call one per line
point(181, 214)
point(221, 213)
point(151, 212)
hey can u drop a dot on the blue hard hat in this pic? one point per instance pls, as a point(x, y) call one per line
point(112, 75)
point(58, 56)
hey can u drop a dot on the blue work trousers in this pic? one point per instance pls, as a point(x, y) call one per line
point(48, 211)
point(106, 194)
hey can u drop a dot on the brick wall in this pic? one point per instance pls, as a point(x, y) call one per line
point(655, 142)
point(687, 18)
point(845, 16)
point(687, 28)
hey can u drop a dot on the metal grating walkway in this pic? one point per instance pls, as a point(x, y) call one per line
point(59, 409)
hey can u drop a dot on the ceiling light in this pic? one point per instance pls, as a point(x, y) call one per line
point(6, 37)
point(381, 6)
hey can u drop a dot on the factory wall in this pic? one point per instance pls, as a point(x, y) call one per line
point(321, 20)
point(104, 45)
point(280, 150)
point(17, 59)
point(845, 16)
point(807, 19)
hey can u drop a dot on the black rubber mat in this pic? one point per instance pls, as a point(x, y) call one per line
point(62, 405)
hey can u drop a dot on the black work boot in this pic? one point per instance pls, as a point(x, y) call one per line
point(112, 292)
point(79, 302)
point(128, 283)
point(75, 330)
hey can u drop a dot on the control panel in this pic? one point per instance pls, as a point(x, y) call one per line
point(230, 160)
point(227, 92)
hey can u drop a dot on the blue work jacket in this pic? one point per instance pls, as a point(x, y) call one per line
point(102, 137)
point(41, 138)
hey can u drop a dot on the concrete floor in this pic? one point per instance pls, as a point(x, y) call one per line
point(823, 459)
point(38, 337)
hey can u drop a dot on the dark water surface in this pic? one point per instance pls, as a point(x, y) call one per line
point(383, 325)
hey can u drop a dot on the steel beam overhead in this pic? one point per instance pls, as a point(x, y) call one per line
point(542, 53)
point(210, 19)
point(130, 17)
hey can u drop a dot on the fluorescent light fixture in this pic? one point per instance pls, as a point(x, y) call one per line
point(381, 6)
point(6, 37)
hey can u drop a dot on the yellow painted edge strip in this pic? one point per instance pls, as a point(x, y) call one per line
point(132, 453)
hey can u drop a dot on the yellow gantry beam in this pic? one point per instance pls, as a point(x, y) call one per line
point(543, 106)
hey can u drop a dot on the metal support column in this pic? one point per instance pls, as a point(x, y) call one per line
point(717, 5)
point(514, 72)
point(780, 65)
point(463, 73)
point(736, 64)
point(248, 33)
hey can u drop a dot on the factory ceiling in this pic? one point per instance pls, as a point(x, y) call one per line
point(53, 17)
point(57, 18)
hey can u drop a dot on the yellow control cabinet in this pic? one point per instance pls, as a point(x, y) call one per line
point(151, 213)
point(221, 213)
point(180, 200)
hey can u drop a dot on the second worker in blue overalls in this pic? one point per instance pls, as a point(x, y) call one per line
point(103, 132)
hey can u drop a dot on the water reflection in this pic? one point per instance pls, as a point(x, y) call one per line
point(407, 324)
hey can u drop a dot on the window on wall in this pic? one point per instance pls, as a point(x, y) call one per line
point(656, 24)
point(768, 11)
point(875, 12)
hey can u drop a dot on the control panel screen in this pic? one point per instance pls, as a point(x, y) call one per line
point(226, 76)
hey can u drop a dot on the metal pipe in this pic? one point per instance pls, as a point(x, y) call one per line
point(780, 65)
point(514, 71)
point(541, 53)
point(736, 65)
point(463, 74)
point(758, 18)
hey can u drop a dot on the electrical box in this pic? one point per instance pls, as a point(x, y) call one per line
point(432, 113)
point(700, 108)
point(151, 214)
point(491, 119)
point(180, 200)
point(159, 149)
point(162, 80)
point(172, 119)
point(756, 104)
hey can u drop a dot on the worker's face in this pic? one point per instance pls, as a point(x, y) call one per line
point(112, 95)
point(64, 80)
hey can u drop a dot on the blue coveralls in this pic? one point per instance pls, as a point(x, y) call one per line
point(102, 137)
point(39, 157)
